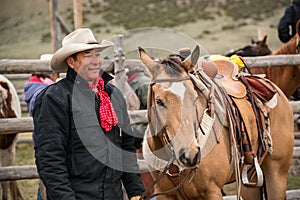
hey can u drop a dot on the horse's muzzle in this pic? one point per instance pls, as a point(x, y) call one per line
point(190, 160)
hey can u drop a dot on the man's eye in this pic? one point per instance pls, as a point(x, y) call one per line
point(88, 55)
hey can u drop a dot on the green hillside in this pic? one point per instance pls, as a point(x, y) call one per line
point(218, 25)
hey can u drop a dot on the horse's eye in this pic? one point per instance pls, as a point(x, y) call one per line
point(159, 102)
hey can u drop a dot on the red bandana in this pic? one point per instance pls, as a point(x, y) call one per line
point(107, 114)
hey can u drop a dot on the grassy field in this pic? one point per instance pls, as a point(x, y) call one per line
point(25, 29)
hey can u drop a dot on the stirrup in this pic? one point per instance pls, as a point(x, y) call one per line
point(259, 174)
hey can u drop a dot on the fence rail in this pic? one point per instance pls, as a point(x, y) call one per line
point(14, 66)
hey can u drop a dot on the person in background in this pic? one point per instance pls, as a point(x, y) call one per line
point(139, 82)
point(287, 23)
point(35, 84)
point(84, 148)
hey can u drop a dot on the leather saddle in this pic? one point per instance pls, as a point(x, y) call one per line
point(226, 75)
point(242, 90)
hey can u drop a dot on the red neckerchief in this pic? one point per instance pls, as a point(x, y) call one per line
point(107, 114)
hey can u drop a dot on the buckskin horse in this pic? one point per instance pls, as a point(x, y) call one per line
point(9, 108)
point(287, 78)
point(190, 146)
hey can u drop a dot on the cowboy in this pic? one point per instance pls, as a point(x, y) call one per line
point(84, 147)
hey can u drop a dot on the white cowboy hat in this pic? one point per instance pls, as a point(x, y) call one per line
point(79, 40)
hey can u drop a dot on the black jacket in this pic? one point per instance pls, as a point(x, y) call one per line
point(289, 20)
point(75, 157)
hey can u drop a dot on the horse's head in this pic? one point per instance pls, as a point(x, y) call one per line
point(173, 106)
point(256, 48)
point(260, 47)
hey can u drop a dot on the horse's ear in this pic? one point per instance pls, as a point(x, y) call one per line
point(252, 41)
point(264, 41)
point(191, 60)
point(146, 59)
point(195, 55)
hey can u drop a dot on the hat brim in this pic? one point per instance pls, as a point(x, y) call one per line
point(58, 62)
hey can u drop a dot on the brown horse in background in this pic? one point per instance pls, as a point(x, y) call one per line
point(9, 108)
point(287, 78)
point(188, 164)
point(256, 48)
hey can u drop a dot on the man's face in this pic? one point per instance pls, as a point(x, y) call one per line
point(87, 64)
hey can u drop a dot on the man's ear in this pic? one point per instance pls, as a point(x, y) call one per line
point(70, 61)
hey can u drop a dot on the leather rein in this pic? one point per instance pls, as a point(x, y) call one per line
point(167, 169)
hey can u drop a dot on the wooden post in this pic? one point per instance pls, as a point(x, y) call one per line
point(119, 59)
point(55, 26)
point(261, 33)
point(77, 9)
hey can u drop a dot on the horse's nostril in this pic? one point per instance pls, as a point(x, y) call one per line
point(182, 157)
point(186, 160)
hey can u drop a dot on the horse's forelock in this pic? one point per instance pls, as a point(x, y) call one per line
point(173, 65)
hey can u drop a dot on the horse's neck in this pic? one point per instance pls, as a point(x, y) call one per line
point(274, 73)
point(287, 48)
point(287, 78)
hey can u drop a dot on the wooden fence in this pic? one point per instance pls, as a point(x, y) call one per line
point(23, 69)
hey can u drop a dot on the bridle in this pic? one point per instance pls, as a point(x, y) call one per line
point(151, 101)
point(167, 141)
